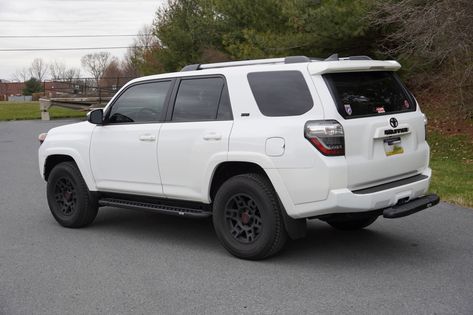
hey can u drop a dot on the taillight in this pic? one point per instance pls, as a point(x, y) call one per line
point(326, 135)
point(42, 137)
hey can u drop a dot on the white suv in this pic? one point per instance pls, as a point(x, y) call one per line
point(259, 145)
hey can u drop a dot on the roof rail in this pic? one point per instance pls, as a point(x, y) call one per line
point(191, 67)
point(290, 59)
point(335, 57)
point(296, 59)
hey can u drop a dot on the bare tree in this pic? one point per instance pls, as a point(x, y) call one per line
point(437, 37)
point(96, 64)
point(112, 76)
point(435, 30)
point(21, 75)
point(145, 39)
point(139, 54)
point(38, 69)
point(59, 71)
point(71, 74)
point(129, 68)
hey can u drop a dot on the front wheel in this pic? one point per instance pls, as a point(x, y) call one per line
point(69, 199)
point(247, 217)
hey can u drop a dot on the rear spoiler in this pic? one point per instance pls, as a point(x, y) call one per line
point(321, 67)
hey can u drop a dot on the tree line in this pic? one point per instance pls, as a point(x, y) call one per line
point(433, 39)
point(105, 69)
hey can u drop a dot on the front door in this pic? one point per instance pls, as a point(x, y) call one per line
point(123, 153)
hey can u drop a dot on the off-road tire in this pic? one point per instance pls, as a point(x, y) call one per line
point(262, 231)
point(69, 199)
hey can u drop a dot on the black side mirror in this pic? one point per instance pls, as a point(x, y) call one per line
point(95, 117)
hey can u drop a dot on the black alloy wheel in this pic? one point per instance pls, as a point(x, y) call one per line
point(247, 217)
point(70, 201)
point(66, 196)
point(243, 218)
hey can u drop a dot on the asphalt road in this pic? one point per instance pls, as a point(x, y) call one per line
point(138, 262)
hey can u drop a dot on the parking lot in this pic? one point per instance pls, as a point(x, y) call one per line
point(141, 262)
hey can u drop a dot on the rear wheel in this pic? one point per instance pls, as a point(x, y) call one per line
point(69, 199)
point(351, 221)
point(247, 217)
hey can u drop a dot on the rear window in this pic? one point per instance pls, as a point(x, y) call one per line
point(280, 93)
point(362, 94)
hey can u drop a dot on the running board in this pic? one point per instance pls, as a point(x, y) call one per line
point(161, 208)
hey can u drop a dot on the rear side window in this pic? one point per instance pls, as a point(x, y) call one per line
point(140, 103)
point(362, 94)
point(280, 93)
point(198, 99)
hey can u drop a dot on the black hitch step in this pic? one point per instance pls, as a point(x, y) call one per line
point(411, 207)
point(162, 208)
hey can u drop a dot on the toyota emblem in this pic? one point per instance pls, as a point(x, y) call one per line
point(393, 122)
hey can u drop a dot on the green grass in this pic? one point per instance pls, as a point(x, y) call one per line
point(452, 165)
point(30, 110)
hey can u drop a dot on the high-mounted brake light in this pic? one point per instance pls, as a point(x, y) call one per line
point(42, 137)
point(326, 135)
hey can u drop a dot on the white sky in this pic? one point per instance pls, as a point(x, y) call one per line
point(68, 17)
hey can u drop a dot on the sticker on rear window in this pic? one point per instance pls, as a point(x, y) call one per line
point(380, 110)
point(406, 104)
point(348, 109)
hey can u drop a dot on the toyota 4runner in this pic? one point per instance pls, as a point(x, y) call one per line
point(259, 145)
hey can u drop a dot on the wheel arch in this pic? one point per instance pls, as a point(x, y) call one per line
point(54, 158)
point(296, 228)
point(226, 170)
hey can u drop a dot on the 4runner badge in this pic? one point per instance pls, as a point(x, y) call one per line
point(393, 122)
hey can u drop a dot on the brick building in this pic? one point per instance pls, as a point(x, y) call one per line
point(10, 89)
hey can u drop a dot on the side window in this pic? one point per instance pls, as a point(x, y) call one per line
point(280, 93)
point(198, 99)
point(140, 103)
point(224, 108)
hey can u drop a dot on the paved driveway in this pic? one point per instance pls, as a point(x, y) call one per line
point(137, 262)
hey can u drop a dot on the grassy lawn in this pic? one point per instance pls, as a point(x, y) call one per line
point(452, 165)
point(30, 110)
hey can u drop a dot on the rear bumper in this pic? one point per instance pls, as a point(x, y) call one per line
point(345, 200)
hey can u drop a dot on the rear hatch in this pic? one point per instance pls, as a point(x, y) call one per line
point(384, 131)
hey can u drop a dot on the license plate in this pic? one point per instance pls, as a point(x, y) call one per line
point(393, 146)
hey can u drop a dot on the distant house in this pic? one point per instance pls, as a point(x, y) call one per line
point(8, 89)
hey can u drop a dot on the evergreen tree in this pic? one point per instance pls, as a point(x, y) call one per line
point(33, 85)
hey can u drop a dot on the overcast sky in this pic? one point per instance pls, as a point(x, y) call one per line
point(67, 17)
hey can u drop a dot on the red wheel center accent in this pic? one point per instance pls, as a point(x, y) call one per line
point(245, 217)
point(67, 196)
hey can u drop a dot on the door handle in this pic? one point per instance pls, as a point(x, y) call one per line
point(147, 138)
point(212, 136)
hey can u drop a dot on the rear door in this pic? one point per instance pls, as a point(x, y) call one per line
point(384, 131)
point(194, 138)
